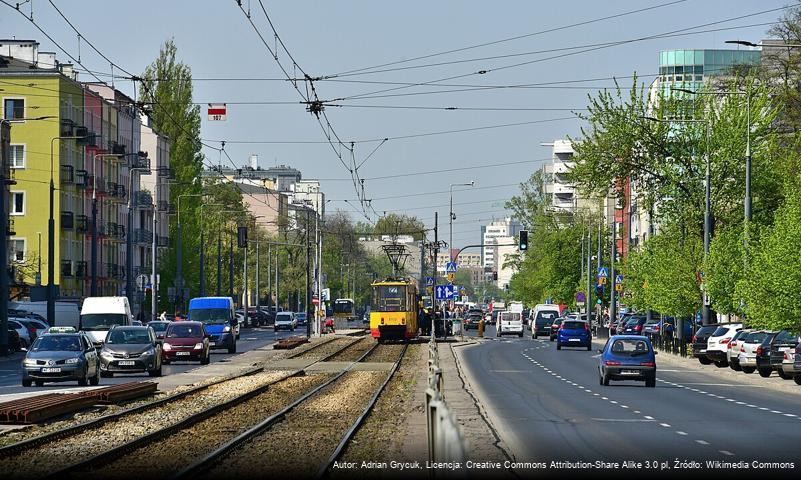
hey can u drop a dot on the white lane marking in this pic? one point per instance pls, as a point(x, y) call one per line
point(625, 420)
point(636, 411)
point(612, 401)
point(789, 415)
point(776, 411)
point(702, 442)
point(666, 425)
point(509, 371)
point(624, 406)
point(726, 452)
point(649, 417)
point(680, 432)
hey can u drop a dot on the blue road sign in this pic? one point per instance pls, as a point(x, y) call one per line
point(446, 292)
point(603, 272)
point(618, 279)
point(429, 281)
point(450, 267)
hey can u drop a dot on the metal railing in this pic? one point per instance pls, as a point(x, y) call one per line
point(446, 441)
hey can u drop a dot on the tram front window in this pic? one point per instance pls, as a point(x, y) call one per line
point(389, 298)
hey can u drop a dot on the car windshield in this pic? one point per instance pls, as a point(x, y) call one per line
point(101, 321)
point(544, 316)
point(214, 316)
point(57, 343)
point(574, 325)
point(128, 336)
point(283, 317)
point(629, 346)
point(705, 331)
point(786, 337)
point(558, 321)
point(634, 321)
point(300, 315)
point(158, 326)
point(184, 331)
point(756, 337)
point(720, 331)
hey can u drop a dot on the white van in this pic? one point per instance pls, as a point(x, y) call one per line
point(99, 314)
point(542, 317)
point(67, 313)
point(509, 323)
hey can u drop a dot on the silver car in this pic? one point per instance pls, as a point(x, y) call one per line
point(61, 355)
point(130, 349)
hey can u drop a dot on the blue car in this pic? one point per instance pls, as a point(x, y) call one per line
point(627, 357)
point(574, 333)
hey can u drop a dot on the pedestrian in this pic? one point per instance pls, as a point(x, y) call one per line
point(329, 325)
point(163, 316)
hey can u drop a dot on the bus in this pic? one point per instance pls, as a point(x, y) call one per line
point(344, 309)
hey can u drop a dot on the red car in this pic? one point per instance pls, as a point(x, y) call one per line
point(186, 341)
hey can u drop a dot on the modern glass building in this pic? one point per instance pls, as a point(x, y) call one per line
point(689, 68)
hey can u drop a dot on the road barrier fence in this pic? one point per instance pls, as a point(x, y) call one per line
point(446, 442)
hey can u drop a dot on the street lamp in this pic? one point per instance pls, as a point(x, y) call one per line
point(51, 236)
point(707, 309)
point(451, 217)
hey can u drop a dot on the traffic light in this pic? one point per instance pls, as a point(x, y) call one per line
point(599, 291)
point(494, 275)
point(523, 244)
point(242, 237)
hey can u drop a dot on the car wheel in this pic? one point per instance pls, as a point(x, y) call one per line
point(95, 380)
point(600, 379)
point(558, 346)
point(721, 363)
point(232, 348)
point(84, 381)
point(749, 370)
point(552, 339)
point(765, 372)
point(650, 382)
point(589, 347)
point(28, 383)
point(605, 381)
point(534, 336)
point(785, 376)
point(520, 334)
point(797, 379)
point(206, 360)
point(165, 362)
point(704, 360)
point(734, 365)
point(155, 372)
point(39, 383)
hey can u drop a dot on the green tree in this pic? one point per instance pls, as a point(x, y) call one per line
point(724, 269)
point(394, 225)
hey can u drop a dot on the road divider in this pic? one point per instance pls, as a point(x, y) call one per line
point(446, 442)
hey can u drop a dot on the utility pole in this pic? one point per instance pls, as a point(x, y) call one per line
point(612, 259)
point(269, 277)
point(308, 274)
point(277, 298)
point(589, 276)
point(231, 269)
point(219, 264)
point(153, 276)
point(5, 181)
point(202, 261)
point(258, 278)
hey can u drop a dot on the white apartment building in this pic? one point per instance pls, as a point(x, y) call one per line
point(503, 254)
point(490, 235)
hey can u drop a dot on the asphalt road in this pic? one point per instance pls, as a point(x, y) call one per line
point(249, 339)
point(548, 405)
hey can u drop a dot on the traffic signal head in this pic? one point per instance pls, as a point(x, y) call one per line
point(523, 244)
point(242, 237)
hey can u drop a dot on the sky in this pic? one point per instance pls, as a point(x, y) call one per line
point(332, 39)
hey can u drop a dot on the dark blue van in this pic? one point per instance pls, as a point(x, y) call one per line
point(218, 317)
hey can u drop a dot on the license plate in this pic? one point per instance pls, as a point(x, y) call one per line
point(51, 369)
point(574, 340)
point(126, 362)
point(703, 350)
point(182, 353)
point(629, 372)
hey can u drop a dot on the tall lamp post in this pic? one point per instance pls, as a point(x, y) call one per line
point(707, 309)
point(129, 228)
point(51, 235)
point(452, 217)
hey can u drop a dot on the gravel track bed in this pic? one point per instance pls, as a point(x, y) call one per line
point(298, 351)
point(355, 351)
point(43, 459)
point(156, 459)
point(382, 434)
point(327, 349)
point(385, 353)
point(303, 442)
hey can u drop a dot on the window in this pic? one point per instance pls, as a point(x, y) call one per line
point(13, 108)
point(17, 156)
point(17, 248)
point(17, 203)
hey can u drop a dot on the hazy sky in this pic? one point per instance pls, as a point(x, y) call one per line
point(216, 39)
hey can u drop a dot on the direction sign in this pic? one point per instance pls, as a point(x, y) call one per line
point(217, 111)
point(429, 281)
point(450, 267)
point(446, 292)
point(603, 272)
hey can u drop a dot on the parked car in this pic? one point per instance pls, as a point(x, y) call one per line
point(733, 350)
point(797, 365)
point(159, 328)
point(557, 322)
point(61, 354)
point(699, 342)
point(763, 355)
point(14, 344)
point(574, 333)
point(634, 325)
point(22, 330)
point(130, 349)
point(782, 354)
point(186, 341)
point(652, 326)
point(627, 357)
point(748, 350)
point(717, 345)
point(285, 321)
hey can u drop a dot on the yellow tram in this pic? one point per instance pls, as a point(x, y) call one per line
point(393, 315)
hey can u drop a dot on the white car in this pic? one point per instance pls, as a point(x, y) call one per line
point(285, 321)
point(509, 323)
point(735, 346)
point(748, 350)
point(24, 335)
point(717, 346)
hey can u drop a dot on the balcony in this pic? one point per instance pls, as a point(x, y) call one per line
point(81, 179)
point(67, 221)
point(66, 268)
point(116, 191)
point(166, 207)
point(142, 236)
point(66, 129)
point(136, 161)
point(119, 190)
point(142, 199)
point(98, 183)
point(81, 223)
point(67, 175)
point(116, 149)
point(166, 172)
point(114, 231)
point(81, 270)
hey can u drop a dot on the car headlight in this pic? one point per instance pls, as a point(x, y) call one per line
point(166, 347)
point(227, 328)
point(106, 353)
point(30, 362)
point(198, 346)
point(71, 361)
